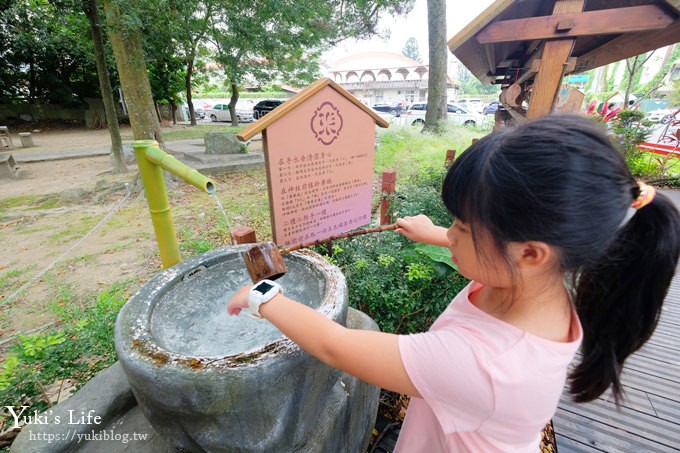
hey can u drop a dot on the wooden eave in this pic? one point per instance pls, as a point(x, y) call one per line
point(606, 31)
point(258, 126)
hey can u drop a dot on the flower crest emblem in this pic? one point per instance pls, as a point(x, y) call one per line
point(326, 123)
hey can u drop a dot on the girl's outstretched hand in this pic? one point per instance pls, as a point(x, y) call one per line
point(421, 229)
point(239, 301)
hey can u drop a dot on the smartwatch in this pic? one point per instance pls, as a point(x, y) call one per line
point(261, 293)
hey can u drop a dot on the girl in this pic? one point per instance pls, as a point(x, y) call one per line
point(554, 234)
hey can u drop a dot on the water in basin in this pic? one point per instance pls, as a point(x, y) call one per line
point(191, 317)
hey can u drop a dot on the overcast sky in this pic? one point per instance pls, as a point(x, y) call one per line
point(458, 14)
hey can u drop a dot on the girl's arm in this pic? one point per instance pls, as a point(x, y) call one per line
point(421, 229)
point(373, 357)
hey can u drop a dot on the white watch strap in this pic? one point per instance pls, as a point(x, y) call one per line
point(260, 294)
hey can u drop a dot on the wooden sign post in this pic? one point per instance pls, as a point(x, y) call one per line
point(318, 148)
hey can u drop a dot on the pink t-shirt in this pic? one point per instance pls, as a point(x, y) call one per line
point(486, 385)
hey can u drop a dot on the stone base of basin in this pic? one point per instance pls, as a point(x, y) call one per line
point(122, 427)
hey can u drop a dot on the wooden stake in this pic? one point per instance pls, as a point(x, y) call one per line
point(243, 235)
point(389, 183)
point(450, 156)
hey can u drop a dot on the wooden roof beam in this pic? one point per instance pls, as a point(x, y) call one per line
point(490, 57)
point(626, 45)
point(614, 21)
point(555, 58)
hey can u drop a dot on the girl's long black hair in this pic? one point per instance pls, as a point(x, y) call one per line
point(560, 180)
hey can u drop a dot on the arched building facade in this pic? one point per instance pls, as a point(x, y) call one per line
point(383, 77)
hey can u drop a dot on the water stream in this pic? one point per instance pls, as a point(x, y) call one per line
point(224, 213)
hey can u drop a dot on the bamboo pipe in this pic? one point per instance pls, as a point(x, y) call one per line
point(151, 161)
point(265, 260)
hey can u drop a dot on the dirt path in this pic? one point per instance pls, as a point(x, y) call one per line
point(44, 218)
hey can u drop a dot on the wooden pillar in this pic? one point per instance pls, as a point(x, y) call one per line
point(243, 235)
point(389, 183)
point(553, 60)
point(450, 156)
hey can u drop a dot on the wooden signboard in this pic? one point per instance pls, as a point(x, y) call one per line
point(319, 150)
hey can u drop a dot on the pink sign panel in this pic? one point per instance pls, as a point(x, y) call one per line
point(320, 169)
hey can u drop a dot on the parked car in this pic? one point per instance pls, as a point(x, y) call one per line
point(387, 116)
point(471, 105)
point(266, 106)
point(491, 107)
point(220, 112)
point(198, 113)
point(456, 114)
point(395, 109)
point(659, 115)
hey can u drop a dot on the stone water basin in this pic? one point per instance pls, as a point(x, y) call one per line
point(207, 381)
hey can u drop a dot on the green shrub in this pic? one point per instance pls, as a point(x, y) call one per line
point(411, 152)
point(403, 286)
point(196, 246)
point(82, 346)
point(630, 129)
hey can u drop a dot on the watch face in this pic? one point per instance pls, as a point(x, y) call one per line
point(263, 287)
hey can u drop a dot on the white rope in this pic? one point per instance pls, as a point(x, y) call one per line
point(76, 244)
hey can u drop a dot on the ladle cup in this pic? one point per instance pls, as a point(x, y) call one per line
point(265, 259)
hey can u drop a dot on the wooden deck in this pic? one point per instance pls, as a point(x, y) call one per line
point(649, 420)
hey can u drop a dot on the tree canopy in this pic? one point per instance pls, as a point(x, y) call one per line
point(46, 45)
point(46, 53)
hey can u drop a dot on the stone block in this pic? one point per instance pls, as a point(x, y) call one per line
point(26, 139)
point(8, 166)
point(223, 143)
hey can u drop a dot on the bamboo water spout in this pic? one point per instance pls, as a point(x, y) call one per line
point(265, 260)
point(151, 161)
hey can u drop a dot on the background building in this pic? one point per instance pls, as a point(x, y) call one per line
point(384, 77)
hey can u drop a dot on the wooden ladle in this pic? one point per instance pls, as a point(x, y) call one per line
point(265, 259)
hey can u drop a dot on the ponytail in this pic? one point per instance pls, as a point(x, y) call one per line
point(619, 297)
point(560, 180)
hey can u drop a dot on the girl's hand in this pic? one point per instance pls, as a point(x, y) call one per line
point(421, 229)
point(239, 301)
point(416, 228)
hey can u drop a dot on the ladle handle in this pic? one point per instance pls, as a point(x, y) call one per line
point(292, 248)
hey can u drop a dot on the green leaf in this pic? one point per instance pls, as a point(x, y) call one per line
point(436, 253)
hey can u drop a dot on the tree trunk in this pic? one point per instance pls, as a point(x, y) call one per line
point(187, 80)
point(667, 56)
point(232, 104)
point(436, 94)
point(631, 76)
point(92, 12)
point(173, 110)
point(602, 82)
point(129, 54)
point(159, 117)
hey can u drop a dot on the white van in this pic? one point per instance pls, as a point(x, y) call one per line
point(475, 105)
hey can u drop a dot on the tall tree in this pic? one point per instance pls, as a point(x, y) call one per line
point(45, 54)
point(269, 39)
point(191, 21)
point(634, 67)
point(411, 50)
point(671, 56)
point(674, 96)
point(126, 40)
point(91, 10)
point(166, 74)
point(436, 85)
